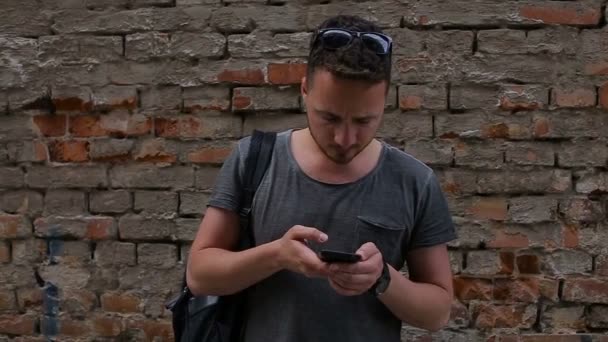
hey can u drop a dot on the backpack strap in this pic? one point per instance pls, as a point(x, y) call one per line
point(258, 159)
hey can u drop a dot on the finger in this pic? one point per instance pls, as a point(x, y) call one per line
point(353, 280)
point(342, 290)
point(367, 250)
point(307, 233)
point(362, 267)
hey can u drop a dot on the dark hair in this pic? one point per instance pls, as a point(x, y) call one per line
point(353, 61)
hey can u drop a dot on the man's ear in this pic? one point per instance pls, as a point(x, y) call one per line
point(304, 87)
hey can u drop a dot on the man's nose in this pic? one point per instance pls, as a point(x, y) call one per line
point(345, 136)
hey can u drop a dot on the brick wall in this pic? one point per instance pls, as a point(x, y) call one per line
point(115, 115)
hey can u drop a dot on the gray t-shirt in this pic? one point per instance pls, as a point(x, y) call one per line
point(398, 206)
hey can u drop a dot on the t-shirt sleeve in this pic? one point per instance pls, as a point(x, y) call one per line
point(227, 190)
point(434, 223)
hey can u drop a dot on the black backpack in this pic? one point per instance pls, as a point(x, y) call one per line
point(221, 318)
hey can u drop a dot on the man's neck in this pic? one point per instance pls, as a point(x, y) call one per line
point(313, 161)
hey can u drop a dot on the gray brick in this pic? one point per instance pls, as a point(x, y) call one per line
point(81, 74)
point(265, 18)
point(160, 151)
point(27, 151)
point(148, 3)
point(66, 276)
point(24, 21)
point(406, 126)
point(483, 125)
point(476, 155)
point(111, 97)
point(184, 45)
point(430, 152)
point(456, 182)
point(135, 227)
point(66, 176)
point(141, 278)
point(115, 253)
point(125, 22)
point(449, 42)
point(110, 149)
point(273, 122)
point(185, 251)
point(113, 201)
point(143, 176)
point(208, 98)
point(74, 253)
point(582, 210)
point(530, 154)
point(516, 182)
point(157, 255)
point(502, 41)
point(589, 182)
point(598, 316)
point(530, 209)
point(417, 97)
point(187, 229)
point(156, 202)
point(165, 98)
point(567, 262)
point(583, 153)
point(193, 203)
point(30, 251)
point(483, 263)
point(22, 202)
point(555, 40)
point(92, 227)
point(561, 124)
point(406, 42)
point(204, 177)
point(473, 97)
point(381, 13)
point(64, 202)
point(11, 177)
point(254, 98)
point(68, 49)
point(197, 2)
point(264, 44)
point(15, 127)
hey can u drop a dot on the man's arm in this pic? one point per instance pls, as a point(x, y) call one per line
point(214, 269)
point(425, 299)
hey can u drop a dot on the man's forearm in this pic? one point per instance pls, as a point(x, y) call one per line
point(214, 271)
point(425, 306)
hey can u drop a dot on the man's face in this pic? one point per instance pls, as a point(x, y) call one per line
point(343, 115)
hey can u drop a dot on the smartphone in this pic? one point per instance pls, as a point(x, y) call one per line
point(335, 256)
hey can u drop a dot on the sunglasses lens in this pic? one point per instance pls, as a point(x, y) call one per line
point(335, 39)
point(375, 43)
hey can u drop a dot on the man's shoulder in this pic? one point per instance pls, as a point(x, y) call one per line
point(244, 142)
point(403, 163)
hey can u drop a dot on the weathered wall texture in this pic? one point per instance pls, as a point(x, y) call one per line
point(115, 115)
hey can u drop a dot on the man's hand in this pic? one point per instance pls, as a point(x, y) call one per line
point(355, 279)
point(296, 256)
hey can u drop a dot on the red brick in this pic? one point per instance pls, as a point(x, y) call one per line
point(466, 289)
point(599, 68)
point(71, 327)
point(574, 98)
point(209, 155)
point(243, 76)
point(121, 302)
point(13, 226)
point(517, 290)
point(117, 124)
point(586, 290)
point(29, 298)
point(571, 236)
point(184, 126)
point(286, 73)
point(528, 264)
point(489, 209)
point(100, 228)
point(603, 96)
point(69, 151)
point(5, 252)
point(560, 13)
point(72, 104)
point(507, 260)
point(152, 329)
point(549, 289)
point(51, 125)
point(154, 151)
point(17, 324)
point(489, 316)
point(108, 326)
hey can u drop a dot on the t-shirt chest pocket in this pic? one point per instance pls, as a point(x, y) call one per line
point(387, 236)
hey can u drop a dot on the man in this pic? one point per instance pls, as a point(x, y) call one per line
point(333, 185)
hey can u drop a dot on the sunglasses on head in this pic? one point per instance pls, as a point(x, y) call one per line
point(336, 38)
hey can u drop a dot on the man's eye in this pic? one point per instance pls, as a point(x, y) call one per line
point(331, 119)
point(363, 121)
